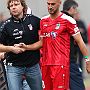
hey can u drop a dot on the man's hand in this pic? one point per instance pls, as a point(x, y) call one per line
point(88, 66)
point(21, 45)
point(2, 55)
point(17, 50)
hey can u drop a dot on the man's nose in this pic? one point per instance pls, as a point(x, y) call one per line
point(13, 6)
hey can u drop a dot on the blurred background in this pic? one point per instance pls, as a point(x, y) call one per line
point(39, 8)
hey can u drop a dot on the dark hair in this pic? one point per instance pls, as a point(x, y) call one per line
point(68, 4)
point(23, 3)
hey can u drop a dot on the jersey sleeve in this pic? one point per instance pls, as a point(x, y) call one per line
point(41, 29)
point(42, 26)
point(72, 27)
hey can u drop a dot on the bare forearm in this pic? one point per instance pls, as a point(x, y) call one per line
point(34, 46)
point(81, 44)
point(83, 49)
point(13, 49)
point(5, 48)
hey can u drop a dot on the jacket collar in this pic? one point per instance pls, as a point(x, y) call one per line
point(19, 20)
point(67, 13)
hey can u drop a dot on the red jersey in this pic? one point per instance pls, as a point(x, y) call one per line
point(88, 32)
point(56, 39)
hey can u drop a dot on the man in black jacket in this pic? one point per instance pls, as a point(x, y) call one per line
point(21, 27)
point(76, 79)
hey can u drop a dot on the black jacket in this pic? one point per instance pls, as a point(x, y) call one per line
point(24, 30)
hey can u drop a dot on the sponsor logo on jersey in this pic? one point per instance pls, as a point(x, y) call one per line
point(53, 34)
point(17, 34)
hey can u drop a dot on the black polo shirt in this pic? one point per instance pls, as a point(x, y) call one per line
point(24, 30)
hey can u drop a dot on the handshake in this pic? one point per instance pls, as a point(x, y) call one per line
point(19, 48)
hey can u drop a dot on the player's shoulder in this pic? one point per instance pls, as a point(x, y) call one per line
point(45, 17)
point(68, 18)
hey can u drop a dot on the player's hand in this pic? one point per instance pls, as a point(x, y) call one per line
point(88, 66)
point(21, 45)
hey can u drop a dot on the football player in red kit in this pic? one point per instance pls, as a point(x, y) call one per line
point(56, 30)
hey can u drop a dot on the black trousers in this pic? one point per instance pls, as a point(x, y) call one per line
point(76, 79)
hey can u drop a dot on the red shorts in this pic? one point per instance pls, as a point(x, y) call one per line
point(55, 77)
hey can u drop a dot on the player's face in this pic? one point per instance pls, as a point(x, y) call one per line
point(16, 9)
point(53, 6)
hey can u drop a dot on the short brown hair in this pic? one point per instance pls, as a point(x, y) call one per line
point(23, 3)
point(68, 4)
